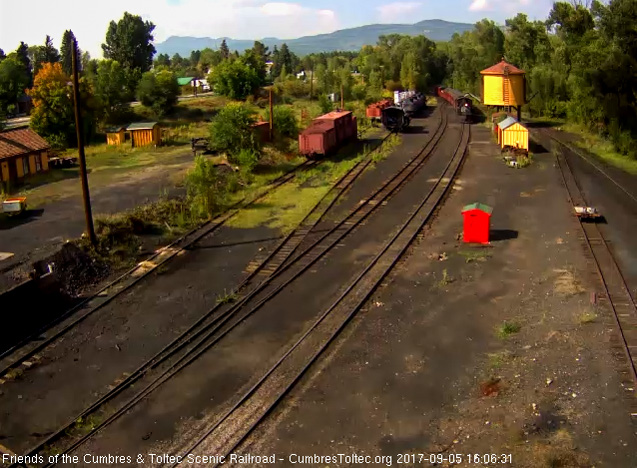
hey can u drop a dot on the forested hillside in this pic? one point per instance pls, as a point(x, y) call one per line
point(580, 65)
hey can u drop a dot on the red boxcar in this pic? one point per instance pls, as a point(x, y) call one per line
point(374, 111)
point(327, 133)
point(317, 139)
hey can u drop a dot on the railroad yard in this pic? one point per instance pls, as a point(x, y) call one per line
point(370, 329)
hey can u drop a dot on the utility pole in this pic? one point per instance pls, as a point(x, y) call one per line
point(311, 83)
point(90, 230)
point(342, 99)
point(271, 117)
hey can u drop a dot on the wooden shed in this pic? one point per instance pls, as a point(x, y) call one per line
point(144, 134)
point(513, 134)
point(22, 152)
point(116, 135)
point(504, 85)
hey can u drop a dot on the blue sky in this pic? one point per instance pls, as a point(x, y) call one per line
point(239, 19)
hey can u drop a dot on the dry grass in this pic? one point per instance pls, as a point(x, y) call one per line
point(566, 284)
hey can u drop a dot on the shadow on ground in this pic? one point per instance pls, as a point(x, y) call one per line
point(9, 222)
point(497, 235)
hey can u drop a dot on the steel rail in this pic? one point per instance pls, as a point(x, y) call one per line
point(376, 283)
point(186, 337)
point(195, 351)
point(232, 211)
point(596, 166)
point(632, 361)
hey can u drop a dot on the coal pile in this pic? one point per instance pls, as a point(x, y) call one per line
point(74, 269)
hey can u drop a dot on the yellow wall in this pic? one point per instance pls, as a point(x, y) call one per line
point(18, 165)
point(32, 169)
point(45, 161)
point(496, 86)
point(146, 137)
point(516, 136)
point(5, 170)
point(115, 138)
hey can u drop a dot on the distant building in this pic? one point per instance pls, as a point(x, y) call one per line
point(185, 81)
point(301, 75)
point(22, 152)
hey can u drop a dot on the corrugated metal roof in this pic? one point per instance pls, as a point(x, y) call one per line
point(502, 68)
point(186, 80)
point(20, 141)
point(507, 122)
point(478, 206)
point(115, 129)
point(142, 126)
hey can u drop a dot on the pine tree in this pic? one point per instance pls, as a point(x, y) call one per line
point(51, 54)
point(225, 51)
point(66, 51)
point(22, 55)
point(44, 54)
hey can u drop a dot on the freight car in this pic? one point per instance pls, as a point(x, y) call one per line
point(414, 104)
point(398, 118)
point(461, 102)
point(374, 111)
point(327, 134)
point(395, 119)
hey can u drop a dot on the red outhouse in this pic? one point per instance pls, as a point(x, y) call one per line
point(477, 218)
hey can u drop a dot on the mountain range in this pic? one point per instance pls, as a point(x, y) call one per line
point(345, 39)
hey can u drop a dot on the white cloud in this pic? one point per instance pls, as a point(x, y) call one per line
point(398, 11)
point(479, 5)
point(239, 19)
point(509, 7)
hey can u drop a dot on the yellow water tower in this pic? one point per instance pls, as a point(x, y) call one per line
point(504, 85)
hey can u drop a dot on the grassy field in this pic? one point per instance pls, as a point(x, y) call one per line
point(602, 148)
point(596, 144)
point(110, 165)
point(286, 207)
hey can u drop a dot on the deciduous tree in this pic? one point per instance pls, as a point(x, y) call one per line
point(158, 91)
point(111, 89)
point(52, 116)
point(234, 79)
point(130, 42)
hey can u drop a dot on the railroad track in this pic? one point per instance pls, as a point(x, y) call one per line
point(212, 328)
point(615, 291)
point(268, 266)
point(593, 164)
point(234, 427)
point(45, 336)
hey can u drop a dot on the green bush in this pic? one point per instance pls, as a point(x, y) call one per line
point(158, 91)
point(205, 188)
point(231, 131)
point(359, 92)
point(246, 159)
point(293, 88)
point(325, 104)
point(285, 123)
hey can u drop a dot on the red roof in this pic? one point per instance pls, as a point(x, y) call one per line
point(20, 141)
point(334, 115)
point(502, 68)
